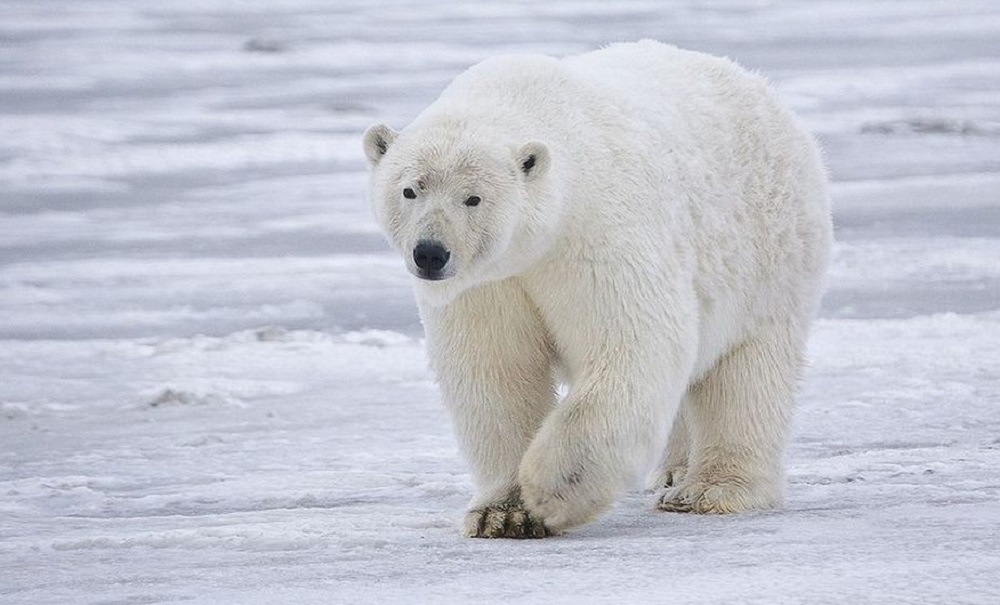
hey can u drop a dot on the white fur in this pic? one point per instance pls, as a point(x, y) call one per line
point(667, 246)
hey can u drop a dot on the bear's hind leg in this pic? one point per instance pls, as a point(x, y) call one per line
point(674, 464)
point(739, 414)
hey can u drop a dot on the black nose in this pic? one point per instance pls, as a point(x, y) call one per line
point(430, 256)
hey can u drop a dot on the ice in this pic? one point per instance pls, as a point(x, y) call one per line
point(213, 387)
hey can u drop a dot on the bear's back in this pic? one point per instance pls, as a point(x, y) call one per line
point(634, 86)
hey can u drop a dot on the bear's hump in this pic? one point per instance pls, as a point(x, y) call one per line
point(504, 66)
point(505, 76)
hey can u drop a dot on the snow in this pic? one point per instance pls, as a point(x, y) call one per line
point(212, 382)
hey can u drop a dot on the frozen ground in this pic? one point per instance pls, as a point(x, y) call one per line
point(212, 388)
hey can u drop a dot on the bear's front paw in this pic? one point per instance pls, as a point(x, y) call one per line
point(503, 520)
point(563, 497)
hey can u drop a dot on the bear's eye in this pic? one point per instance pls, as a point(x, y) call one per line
point(409, 194)
point(473, 201)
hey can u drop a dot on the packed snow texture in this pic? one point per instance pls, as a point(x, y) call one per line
point(212, 384)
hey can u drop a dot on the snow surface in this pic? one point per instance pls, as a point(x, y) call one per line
point(212, 386)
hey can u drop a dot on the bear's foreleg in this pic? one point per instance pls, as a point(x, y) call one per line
point(493, 363)
point(628, 367)
point(588, 452)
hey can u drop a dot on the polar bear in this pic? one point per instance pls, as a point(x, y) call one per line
point(609, 250)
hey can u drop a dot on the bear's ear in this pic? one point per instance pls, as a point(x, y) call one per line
point(533, 160)
point(377, 139)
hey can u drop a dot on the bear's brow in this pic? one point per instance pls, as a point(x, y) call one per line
point(422, 179)
point(432, 177)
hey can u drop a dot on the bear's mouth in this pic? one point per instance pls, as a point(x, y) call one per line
point(431, 275)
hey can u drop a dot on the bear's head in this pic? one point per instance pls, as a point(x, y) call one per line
point(463, 204)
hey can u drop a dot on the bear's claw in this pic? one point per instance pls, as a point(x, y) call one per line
point(673, 502)
point(503, 521)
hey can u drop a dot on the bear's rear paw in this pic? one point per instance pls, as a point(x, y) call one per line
point(668, 476)
point(503, 520)
point(719, 497)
